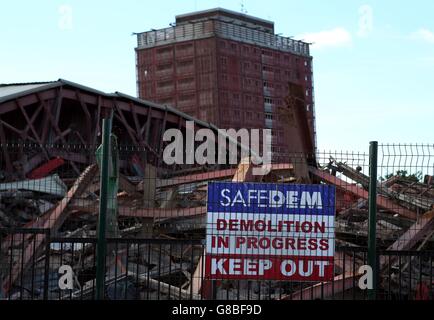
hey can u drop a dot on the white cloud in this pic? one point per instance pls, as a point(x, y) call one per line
point(327, 38)
point(424, 34)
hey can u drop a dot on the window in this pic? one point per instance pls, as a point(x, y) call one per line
point(203, 114)
point(186, 81)
point(163, 67)
point(268, 85)
point(268, 100)
point(164, 84)
point(185, 46)
point(184, 49)
point(269, 116)
point(267, 53)
point(164, 50)
point(205, 64)
point(205, 98)
point(185, 64)
point(167, 101)
point(188, 97)
point(224, 97)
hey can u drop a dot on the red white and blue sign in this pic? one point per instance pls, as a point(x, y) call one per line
point(262, 231)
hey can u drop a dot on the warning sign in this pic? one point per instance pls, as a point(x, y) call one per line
point(264, 231)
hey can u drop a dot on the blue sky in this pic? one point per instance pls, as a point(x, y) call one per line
point(373, 60)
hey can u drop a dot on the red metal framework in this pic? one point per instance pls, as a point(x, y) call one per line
point(62, 113)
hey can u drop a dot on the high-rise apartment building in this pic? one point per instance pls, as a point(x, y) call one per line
point(232, 70)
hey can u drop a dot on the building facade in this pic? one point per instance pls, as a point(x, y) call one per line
point(229, 69)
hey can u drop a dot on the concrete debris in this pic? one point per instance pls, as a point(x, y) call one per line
point(52, 185)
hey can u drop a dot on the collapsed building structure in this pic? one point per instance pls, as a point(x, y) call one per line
point(50, 181)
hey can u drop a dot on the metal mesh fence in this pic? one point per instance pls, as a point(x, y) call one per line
point(157, 224)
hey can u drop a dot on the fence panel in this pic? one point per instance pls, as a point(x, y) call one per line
point(157, 235)
point(24, 264)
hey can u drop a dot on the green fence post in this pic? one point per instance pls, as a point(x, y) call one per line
point(104, 184)
point(372, 232)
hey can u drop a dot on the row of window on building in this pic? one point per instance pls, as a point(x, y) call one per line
point(205, 81)
point(252, 115)
point(251, 50)
point(206, 47)
point(258, 67)
point(187, 87)
point(234, 99)
point(204, 65)
point(201, 47)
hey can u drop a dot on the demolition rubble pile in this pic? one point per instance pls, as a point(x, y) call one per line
point(175, 209)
